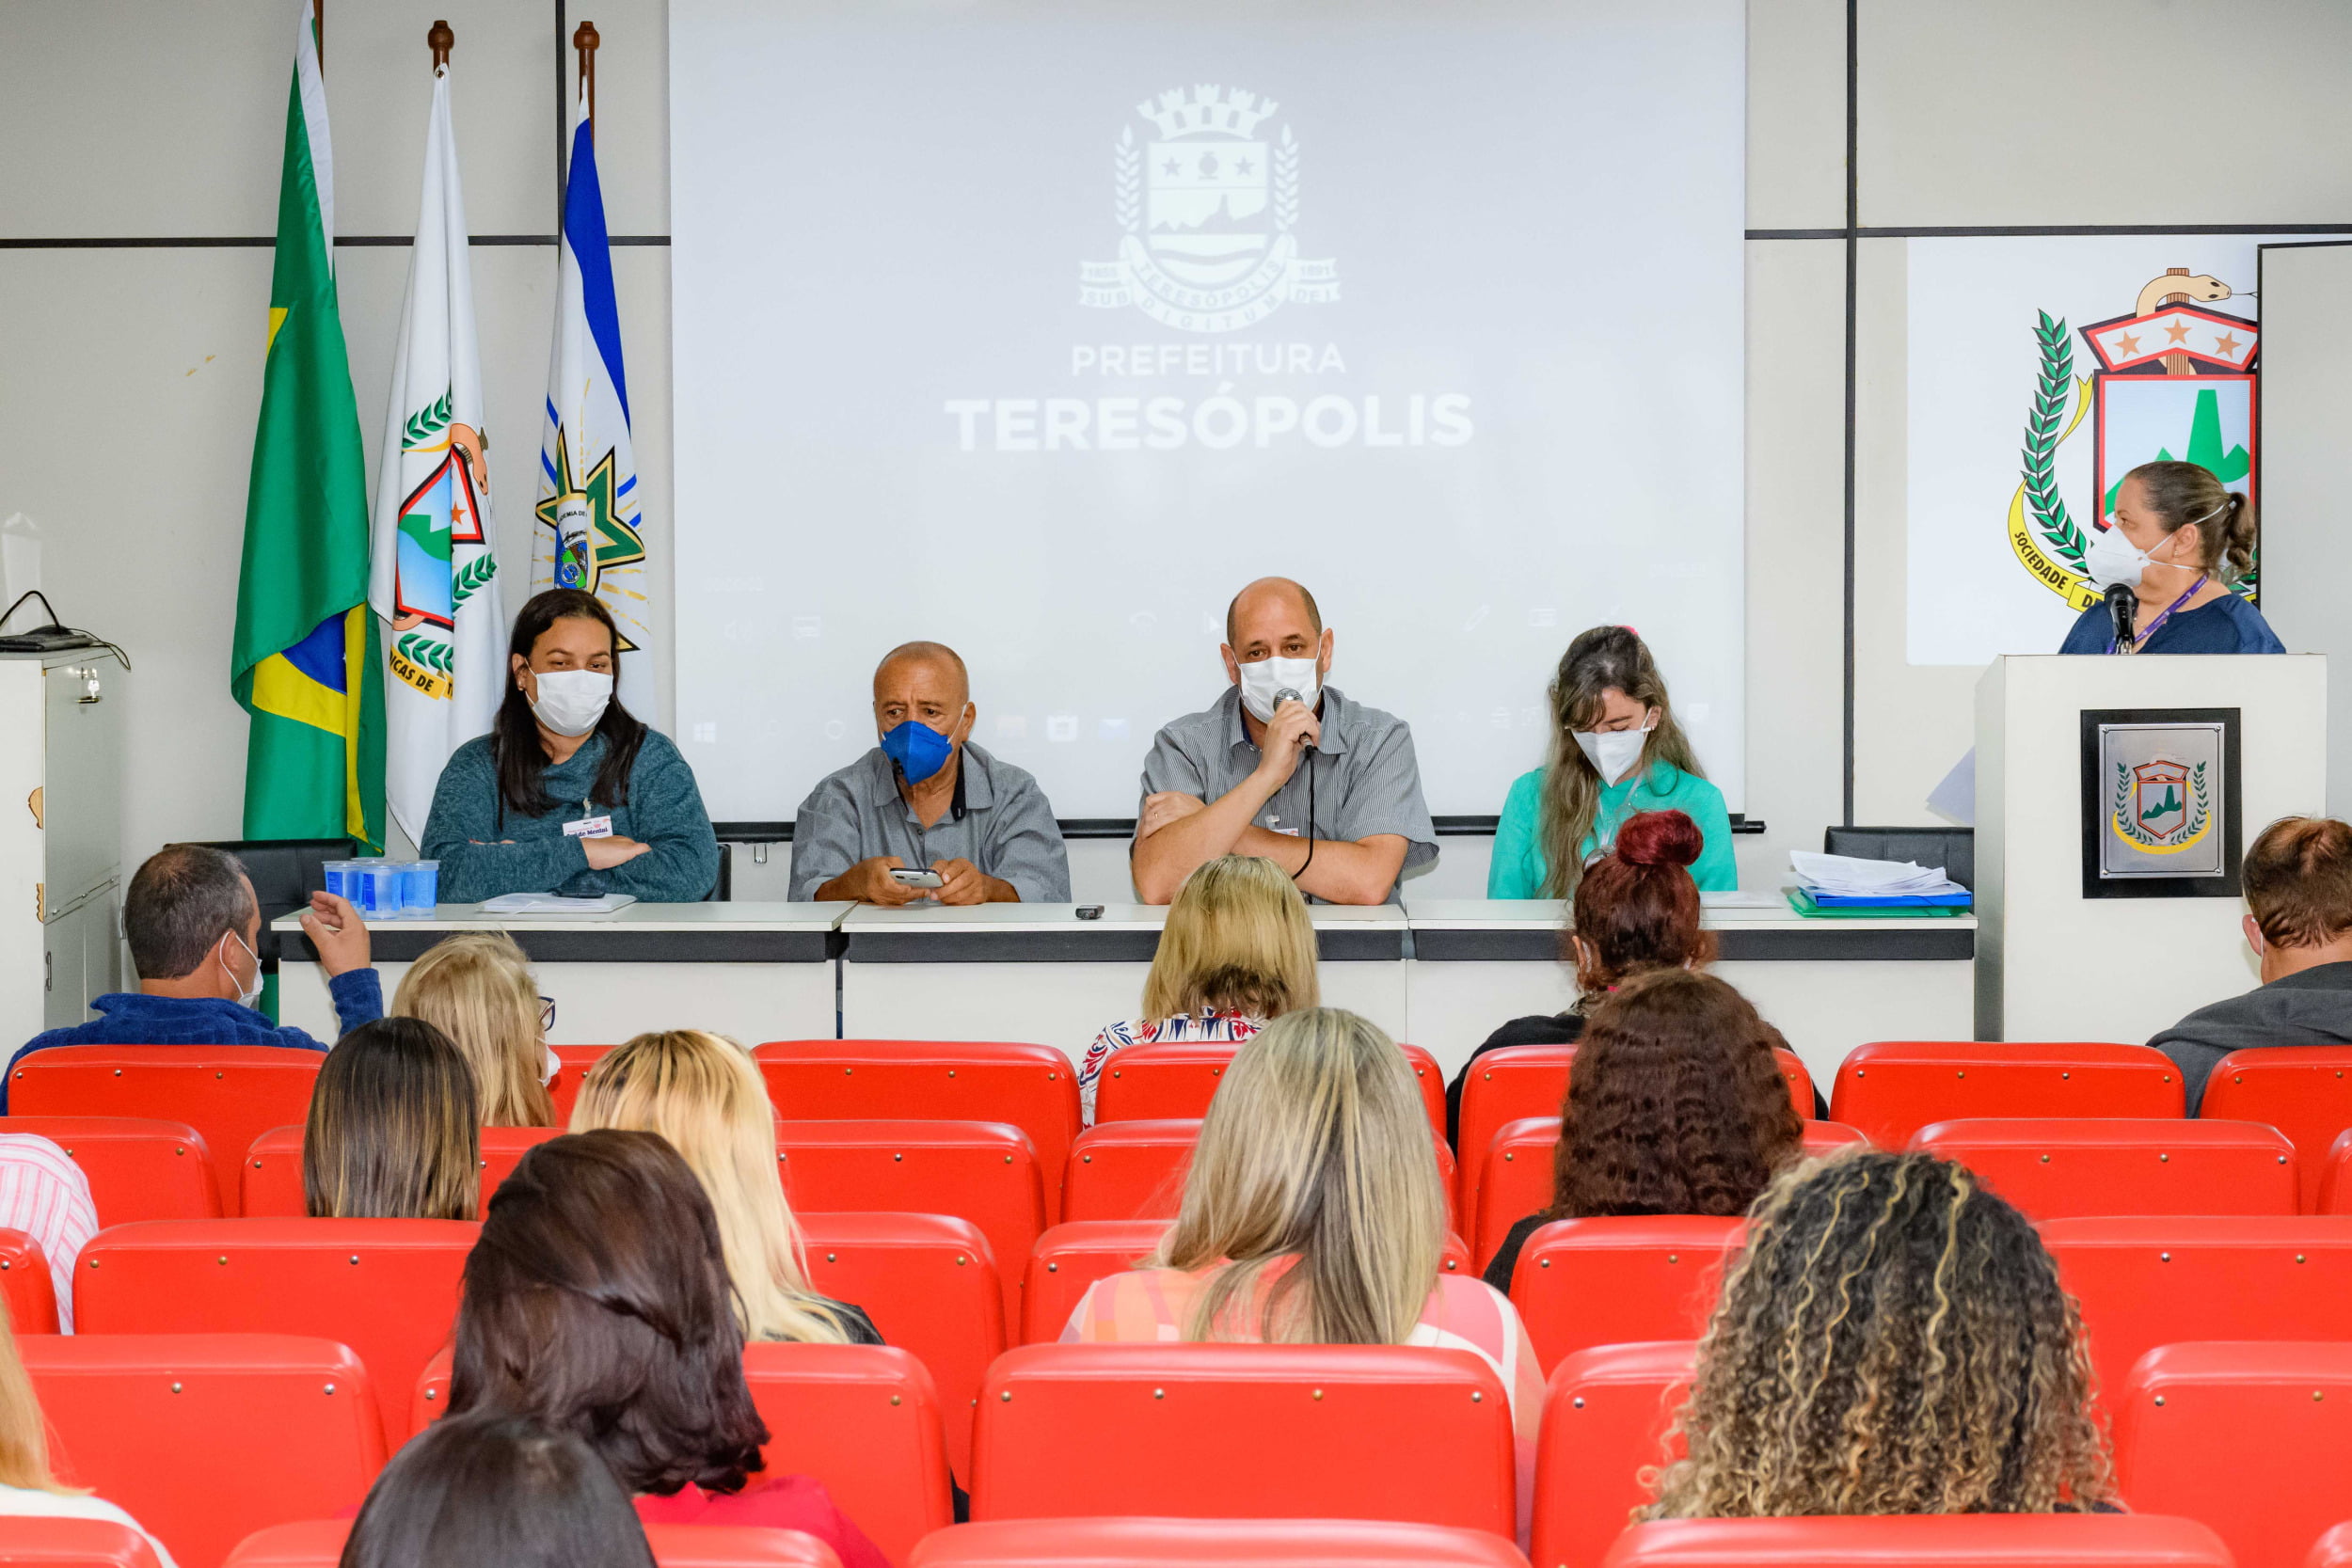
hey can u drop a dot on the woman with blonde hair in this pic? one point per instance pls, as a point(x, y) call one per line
point(1944, 1367)
point(1315, 1215)
point(476, 988)
point(27, 1489)
point(702, 1093)
point(1236, 953)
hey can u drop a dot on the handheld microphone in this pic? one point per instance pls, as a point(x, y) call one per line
point(2123, 605)
point(1290, 694)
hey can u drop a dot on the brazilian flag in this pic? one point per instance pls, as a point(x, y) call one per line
point(305, 663)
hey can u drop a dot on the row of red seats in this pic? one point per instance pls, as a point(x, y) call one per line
point(2254, 1440)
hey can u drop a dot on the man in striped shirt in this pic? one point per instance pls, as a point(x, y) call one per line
point(44, 1194)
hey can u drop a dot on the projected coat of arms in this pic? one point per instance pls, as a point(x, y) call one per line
point(1206, 200)
point(2160, 811)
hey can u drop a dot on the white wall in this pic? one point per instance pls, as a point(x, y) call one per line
point(129, 377)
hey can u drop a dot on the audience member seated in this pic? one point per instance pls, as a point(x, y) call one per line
point(1615, 751)
point(1315, 1215)
point(393, 1132)
point(927, 798)
point(702, 1093)
point(27, 1487)
point(1635, 908)
point(492, 1489)
point(2299, 895)
point(570, 793)
point(1237, 952)
point(45, 1194)
point(1676, 1106)
point(1284, 765)
point(476, 988)
point(596, 1302)
point(193, 928)
point(1891, 1339)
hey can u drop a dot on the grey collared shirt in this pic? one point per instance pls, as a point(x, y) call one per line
point(1000, 821)
point(1365, 778)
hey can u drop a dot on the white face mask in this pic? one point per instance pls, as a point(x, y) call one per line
point(571, 701)
point(2113, 558)
point(246, 996)
point(1614, 753)
point(1261, 680)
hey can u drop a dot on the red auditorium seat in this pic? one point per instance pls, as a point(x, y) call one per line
point(1032, 1087)
point(1212, 1544)
point(1175, 1080)
point(27, 1283)
point(985, 1172)
point(2057, 1168)
point(930, 1284)
point(319, 1543)
point(139, 1170)
point(1070, 1257)
point(1892, 1088)
point(1619, 1280)
point(575, 1062)
point(1606, 1413)
point(1924, 1541)
point(1395, 1431)
point(2333, 1550)
point(2252, 1439)
point(1133, 1170)
point(2335, 1183)
point(386, 1287)
point(2305, 1091)
point(204, 1438)
point(2145, 1282)
point(229, 1094)
point(1519, 1173)
point(36, 1543)
point(271, 1187)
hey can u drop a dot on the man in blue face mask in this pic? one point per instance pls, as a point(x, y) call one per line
point(927, 800)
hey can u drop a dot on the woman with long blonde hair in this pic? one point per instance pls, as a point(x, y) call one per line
point(1942, 1365)
point(476, 988)
point(1236, 953)
point(703, 1094)
point(1315, 1215)
point(28, 1488)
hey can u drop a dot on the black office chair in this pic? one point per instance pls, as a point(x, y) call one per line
point(1953, 849)
point(284, 873)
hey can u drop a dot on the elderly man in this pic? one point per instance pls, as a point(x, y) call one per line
point(194, 930)
point(927, 800)
point(1284, 766)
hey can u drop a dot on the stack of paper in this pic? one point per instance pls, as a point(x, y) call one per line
point(1835, 881)
point(548, 903)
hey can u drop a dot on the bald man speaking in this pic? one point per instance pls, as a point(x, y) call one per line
point(928, 805)
point(1284, 766)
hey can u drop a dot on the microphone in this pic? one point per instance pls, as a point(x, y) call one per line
point(2123, 605)
point(1289, 694)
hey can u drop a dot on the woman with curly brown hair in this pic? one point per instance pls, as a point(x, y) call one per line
point(1675, 1106)
point(1892, 1339)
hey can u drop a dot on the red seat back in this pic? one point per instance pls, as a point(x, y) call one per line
point(36, 1543)
point(2335, 1183)
point(1606, 1415)
point(1175, 1080)
point(27, 1283)
point(229, 1094)
point(2252, 1439)
point(1923, 1541)
point(138, 1170)
point(574, 1063)
point(1620, 1280)
point(930, 1284)
point(1133, 1170)
point(2144, 1282)
point(386, 1287)
point(1892, 1088)
point(2305, 1091)
point(1395, 1431)
point(271, 1185)
point(1031, 1086)
point(1213, 1544)
point(319, 1543)
point(2057, 1168)
point(204, 1438)
point(2333, 1550)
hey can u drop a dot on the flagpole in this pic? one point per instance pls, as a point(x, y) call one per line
point(584, 39)
point(318, 31)
point(438, 38)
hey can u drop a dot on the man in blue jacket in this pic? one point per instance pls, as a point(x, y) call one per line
point(195, 927)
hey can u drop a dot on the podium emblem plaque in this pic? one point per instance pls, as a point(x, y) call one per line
point(2160, 803)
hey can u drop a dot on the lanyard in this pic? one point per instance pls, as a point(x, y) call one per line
point(2142, 640)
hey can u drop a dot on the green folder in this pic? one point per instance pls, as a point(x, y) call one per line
point(1802, 903)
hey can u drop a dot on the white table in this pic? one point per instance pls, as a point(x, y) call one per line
point(1037, 972)
point(756, 971)
point(1827, 984)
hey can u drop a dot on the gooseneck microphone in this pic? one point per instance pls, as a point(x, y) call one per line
point(2123, 605)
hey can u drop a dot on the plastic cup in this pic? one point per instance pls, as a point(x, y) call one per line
point(420, 889)
point(338, 878)
point(379, 887)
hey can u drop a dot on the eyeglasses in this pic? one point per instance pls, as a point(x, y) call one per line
point(547, 1014)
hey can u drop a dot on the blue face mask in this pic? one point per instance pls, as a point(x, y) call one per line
point(919, 750)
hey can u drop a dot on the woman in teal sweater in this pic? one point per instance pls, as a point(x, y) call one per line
point(1615, 750)
point(570, 793)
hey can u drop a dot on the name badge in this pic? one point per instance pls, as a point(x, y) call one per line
point(589, 827)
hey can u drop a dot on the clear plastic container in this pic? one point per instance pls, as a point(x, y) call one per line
point(338, 878)
point(379, 889)
point(420, 889)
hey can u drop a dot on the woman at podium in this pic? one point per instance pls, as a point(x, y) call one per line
point(2179, 540)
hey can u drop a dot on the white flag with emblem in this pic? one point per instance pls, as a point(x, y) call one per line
point(435, 577)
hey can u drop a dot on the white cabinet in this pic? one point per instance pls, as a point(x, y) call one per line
point(61, 717)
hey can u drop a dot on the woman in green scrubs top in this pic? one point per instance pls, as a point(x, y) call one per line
point(1615, 750)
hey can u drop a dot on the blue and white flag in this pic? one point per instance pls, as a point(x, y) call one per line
point(590, 532)
point(434, 575)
